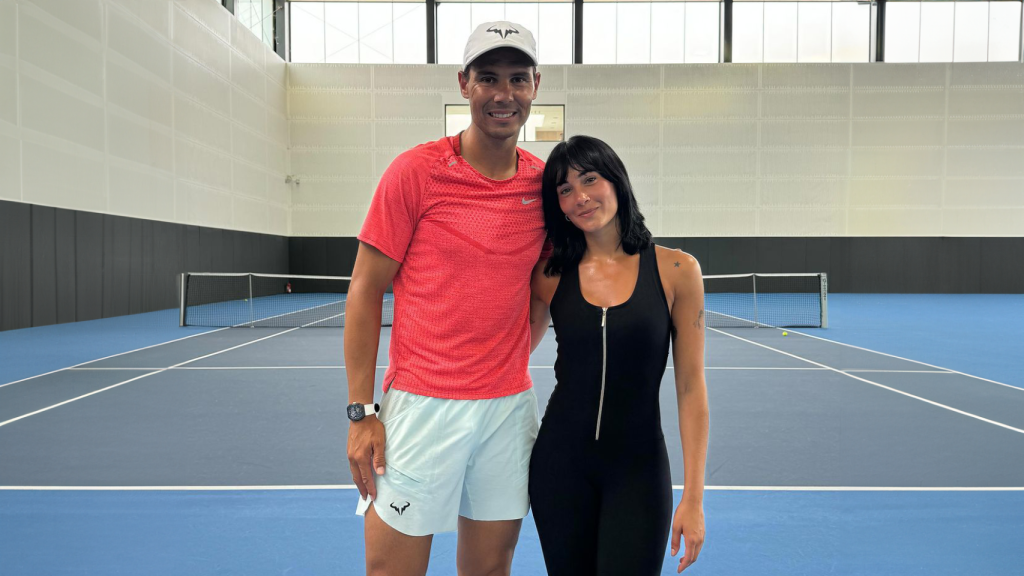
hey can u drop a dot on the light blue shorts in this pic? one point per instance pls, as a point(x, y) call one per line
point(448, 458)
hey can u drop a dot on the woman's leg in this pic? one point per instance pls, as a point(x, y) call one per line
point(565, 507)
point(636, 512)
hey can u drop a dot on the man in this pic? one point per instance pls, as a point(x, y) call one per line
point(457, 226)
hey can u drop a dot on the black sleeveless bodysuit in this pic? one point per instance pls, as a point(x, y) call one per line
point(600, 485)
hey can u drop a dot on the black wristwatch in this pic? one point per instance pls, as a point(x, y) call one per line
point(357, 411)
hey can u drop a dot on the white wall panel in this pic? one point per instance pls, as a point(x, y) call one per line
point(201, 43)
point(246, 43)
point(898, 132)
point(986, 132)
point(142, 142)
point(785, 104)
point(817, 193)
point(894, 222)
point(709, 104)
point(805, 133)
point(140, 193)
point(199, 83)
point(138, 94)
point(248, 77)
point(250, 113)
point(904, 103)
point(980, 221)
point(777, 149)
point(8, 29)
point(204, 206)
point(54, 176)
point(211, 14)
point(83, 16)
point(248, 146)
point(390, 134)
point(897, 162)
point(8, 95)
point(986, 101)
point(133, 40)
point(193, 121)
point(340, 105)
point(333, 164)
point(202, 165)
point(10, 168)
point(250, 214)
point(986, 192)
point(249, 181)
point(57, 113)
point(68, 58)
point(906, 193)
point(801, 222)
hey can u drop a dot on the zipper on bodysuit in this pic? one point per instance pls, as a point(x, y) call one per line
point(604, 368)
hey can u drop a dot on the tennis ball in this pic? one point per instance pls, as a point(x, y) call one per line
point(785, 333)
point(246, 299)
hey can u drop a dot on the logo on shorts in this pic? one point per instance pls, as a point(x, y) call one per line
point(402, 509)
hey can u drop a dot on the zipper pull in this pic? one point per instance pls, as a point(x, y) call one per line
point(604, 316)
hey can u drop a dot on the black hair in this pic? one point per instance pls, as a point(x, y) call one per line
point(587, 154)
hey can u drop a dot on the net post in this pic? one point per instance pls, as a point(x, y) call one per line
point(181, 299)
point(757, 321)
point(824, 300)
point(252, 318)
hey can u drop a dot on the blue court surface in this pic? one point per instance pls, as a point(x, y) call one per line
point(890, 443)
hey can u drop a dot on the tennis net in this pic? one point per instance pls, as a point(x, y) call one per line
point(288, 301)
point(766, 300)
point(268, 301)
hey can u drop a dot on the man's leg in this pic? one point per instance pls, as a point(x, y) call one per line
point(486, 547)
point(391, 553)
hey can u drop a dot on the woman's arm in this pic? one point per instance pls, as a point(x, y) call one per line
point(542, 288)
point(682, 273)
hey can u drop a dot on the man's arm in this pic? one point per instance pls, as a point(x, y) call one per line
point(541, 290)
point(371, 277)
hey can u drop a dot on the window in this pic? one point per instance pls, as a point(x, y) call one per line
point(359, 32)
point(545, 124)
point(550, 22)
point(650, 32)
point(258, 16)
point(952, 32)
point(801, 32)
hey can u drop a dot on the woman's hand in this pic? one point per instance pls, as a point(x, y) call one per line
point(688, 523)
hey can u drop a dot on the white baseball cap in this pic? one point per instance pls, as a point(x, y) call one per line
point(502, 34)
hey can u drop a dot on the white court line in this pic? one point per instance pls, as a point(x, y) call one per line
point(902, 358)
point(950, 408)
point(2, 424)
point(76, 366)
point(815, 368)
point(114, 356)
point(905, 371)
point(353, 487)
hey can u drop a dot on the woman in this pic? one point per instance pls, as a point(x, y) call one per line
point(599, 476)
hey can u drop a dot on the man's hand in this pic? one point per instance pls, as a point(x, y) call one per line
point(688, 523)
point(366, 453)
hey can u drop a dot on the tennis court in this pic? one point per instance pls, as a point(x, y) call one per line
point(222, 450)
point(183, 184)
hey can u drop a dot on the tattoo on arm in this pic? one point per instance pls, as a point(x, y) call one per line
point(697, 323)
point(677, 264)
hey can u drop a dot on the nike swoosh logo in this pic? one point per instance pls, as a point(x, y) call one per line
point(525, 201)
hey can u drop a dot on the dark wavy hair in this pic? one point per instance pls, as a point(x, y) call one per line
point(587, 154)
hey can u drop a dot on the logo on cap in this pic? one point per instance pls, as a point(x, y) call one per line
point(503, 32)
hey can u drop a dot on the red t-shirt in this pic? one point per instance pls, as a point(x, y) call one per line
point(467, 245)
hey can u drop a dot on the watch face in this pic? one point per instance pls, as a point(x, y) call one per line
point(356, 412)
